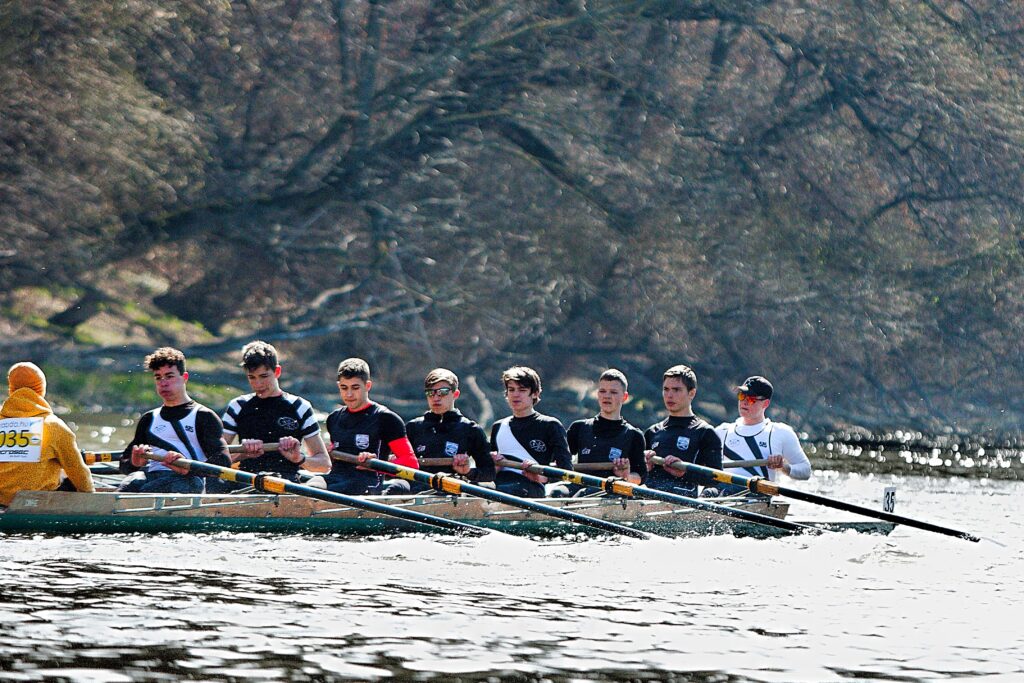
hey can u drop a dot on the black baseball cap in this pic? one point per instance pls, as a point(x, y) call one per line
point(756, 386)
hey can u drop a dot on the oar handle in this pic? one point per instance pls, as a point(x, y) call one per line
point(744, 463)
point(270, 447)
point(93, 457)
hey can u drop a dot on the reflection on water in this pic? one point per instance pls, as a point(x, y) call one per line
point(911, 606)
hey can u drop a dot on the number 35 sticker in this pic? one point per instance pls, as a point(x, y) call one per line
point(889, 499)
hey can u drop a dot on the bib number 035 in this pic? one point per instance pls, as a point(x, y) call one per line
point(15, 439)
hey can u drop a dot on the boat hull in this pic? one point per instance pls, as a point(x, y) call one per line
point(61, 512)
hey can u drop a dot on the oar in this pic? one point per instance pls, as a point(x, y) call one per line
point(277, 485)
point(629, 489)
point(763, 486)
point(93, 457)
point(608, 466)
point(449, 484)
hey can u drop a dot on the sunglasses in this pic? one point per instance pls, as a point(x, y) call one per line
point(443, 391)
point(748, 398)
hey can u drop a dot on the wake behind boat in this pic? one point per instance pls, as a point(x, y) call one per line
point(72, 513)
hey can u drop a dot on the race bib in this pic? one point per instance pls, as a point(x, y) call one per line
point(21, 439)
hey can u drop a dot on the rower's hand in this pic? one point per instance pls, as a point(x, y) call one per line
point(535, 478)
point(648, 454)
point(776, 462)
point(620, 467)
point(363, 457)
point(672, 470)
point(288, 447)
point(139, 456)
point(169, 460)
point(498, 459)
point(460, 463)
point(252, 448)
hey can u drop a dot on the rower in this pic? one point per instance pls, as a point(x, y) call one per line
point(607, 444)
point(681, 436)
point(443, 433)
point(180, 427)
point(526, 436)
point(753, 436)
point(269, 415)
point(36, 446)
point(365, 427)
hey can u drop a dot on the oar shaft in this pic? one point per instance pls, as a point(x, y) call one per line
point(711, 476)
point(277, 485)
point(625, 488)
point(448, 484)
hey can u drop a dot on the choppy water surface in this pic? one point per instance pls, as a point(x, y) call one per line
point(913, 606)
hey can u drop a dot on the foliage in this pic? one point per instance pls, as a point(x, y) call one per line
point(825, 193)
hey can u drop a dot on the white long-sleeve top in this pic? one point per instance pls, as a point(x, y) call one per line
point(771, 438)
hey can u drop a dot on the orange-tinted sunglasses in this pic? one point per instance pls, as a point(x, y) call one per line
point(748, 398)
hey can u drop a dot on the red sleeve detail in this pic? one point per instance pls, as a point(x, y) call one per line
point(403, 452)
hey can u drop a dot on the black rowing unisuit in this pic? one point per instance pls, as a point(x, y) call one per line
point(690, 439)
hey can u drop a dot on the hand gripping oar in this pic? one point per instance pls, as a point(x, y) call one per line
point(276, 485)
point(448, 484)
point(709, 475)
point(631, 490)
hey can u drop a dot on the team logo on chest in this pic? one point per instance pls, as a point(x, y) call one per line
point(362, 440)
point(289, 423)
point(450, 448)
point(614, 453)
point(683, 442)
point(538, 445)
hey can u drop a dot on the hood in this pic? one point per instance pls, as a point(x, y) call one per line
point(25, 403)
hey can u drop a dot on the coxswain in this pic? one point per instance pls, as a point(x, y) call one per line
point(36, 446)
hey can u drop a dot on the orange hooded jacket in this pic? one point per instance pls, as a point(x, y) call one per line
point(60, 451)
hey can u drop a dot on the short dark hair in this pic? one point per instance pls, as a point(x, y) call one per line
point(683, 372)
point(441, 375)
point(354, 368)
point(165, 355)
point(611, 374)
point(258, 354)
point(522, 375)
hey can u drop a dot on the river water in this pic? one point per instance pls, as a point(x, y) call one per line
point(913, 606)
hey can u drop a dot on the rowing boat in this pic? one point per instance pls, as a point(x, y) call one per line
point(72, 513)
